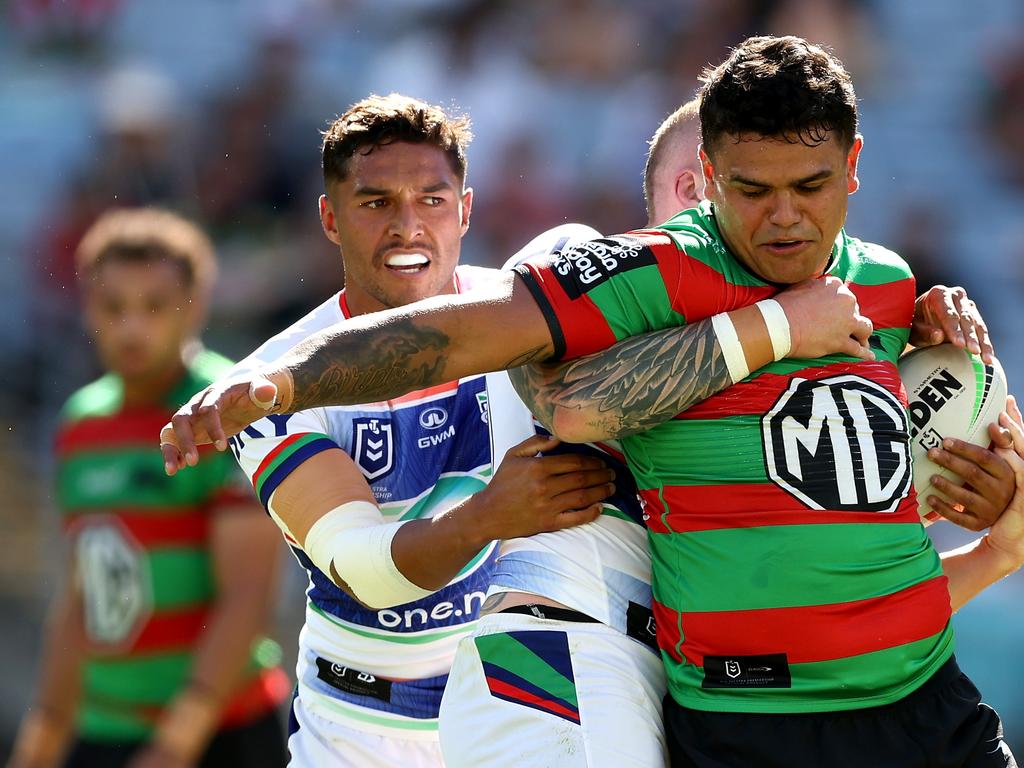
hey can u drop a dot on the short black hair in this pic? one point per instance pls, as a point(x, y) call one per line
point(783, 87)
point(380, 120)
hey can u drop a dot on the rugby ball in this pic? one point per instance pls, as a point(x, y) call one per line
point(950, 393)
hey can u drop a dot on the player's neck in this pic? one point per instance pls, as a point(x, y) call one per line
point(361, 303)
point(152, 388)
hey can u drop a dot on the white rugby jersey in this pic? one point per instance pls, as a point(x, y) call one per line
point(422, 454)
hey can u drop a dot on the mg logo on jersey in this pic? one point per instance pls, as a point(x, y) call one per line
point(839, 443)
point(433, 418)
point(374, 449)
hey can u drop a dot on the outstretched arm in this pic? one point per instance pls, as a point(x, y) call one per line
point(370, 358)
point(386, 354)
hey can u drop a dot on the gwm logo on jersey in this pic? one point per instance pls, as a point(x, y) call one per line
point(839, 443)
point(433, 418)
point(374, 448)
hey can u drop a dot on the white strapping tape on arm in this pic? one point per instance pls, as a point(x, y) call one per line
point(729, 343)
point(356, 540)
point(778, 327)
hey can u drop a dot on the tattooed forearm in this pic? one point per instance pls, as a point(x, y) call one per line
point(628, 388)
point(364, 365)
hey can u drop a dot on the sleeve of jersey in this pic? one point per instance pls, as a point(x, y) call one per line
point(601, 291)
point(270, 449)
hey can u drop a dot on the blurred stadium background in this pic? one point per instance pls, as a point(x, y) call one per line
point(213, 107)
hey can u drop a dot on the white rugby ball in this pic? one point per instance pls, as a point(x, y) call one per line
point(950, 393)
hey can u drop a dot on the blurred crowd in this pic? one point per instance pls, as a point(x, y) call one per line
point(214, 109)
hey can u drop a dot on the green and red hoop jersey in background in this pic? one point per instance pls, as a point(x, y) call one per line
point(141, 546)
point(790, 570)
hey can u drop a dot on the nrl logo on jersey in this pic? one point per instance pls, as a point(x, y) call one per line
point(374, 446)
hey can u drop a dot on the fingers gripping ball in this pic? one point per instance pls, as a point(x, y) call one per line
point(950, 393)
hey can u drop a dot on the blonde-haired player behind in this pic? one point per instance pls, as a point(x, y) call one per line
point(154, 651)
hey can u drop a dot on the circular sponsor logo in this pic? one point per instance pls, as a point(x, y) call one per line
point(433, 418)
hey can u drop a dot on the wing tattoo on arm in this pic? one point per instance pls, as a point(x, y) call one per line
point(629, 387)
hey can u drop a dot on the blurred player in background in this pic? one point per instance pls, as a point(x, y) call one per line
point(154, 655)
point(779, 170)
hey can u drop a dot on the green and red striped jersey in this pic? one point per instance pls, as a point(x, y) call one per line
point(790, 570)
point(140, 542)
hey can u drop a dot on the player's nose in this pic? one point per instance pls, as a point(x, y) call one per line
point(406, 223)
point(784, 211)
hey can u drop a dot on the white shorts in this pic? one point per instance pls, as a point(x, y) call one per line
point(525, 691)
point(320, 742)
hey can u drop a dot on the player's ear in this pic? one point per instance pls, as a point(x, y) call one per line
point(466, 207)
point(328, 220)
point(687, 189)
point(706, 168)
point(852, 182)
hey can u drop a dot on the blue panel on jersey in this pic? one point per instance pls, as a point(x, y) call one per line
point(411, 445)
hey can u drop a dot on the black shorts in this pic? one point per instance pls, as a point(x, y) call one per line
point(259, 744)
point(943, 723)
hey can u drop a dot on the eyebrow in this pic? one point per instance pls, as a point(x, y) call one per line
point(819, 176)
point(380, 192)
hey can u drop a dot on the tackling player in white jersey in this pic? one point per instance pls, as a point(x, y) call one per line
point(391, 507)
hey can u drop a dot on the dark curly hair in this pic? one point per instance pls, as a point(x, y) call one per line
point(783, 87)
point(379, 120)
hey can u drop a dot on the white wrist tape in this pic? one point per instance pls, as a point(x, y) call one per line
point(732, 350)
point(778, 327)
point(355, 539)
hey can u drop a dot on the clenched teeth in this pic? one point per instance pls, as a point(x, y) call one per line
point(407, 260)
